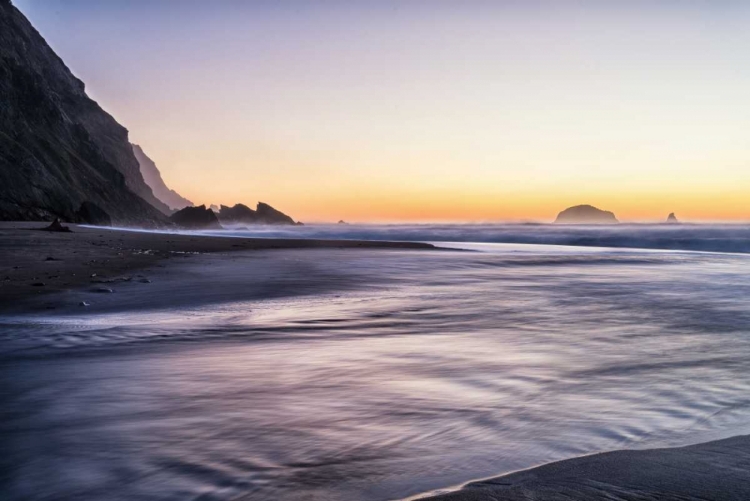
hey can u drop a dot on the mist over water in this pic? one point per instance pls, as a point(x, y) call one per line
point(375, 375)
point(697, 237)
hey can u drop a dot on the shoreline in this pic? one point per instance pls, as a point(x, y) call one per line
point(715, 470)
point(38, 263)
point(92, 257)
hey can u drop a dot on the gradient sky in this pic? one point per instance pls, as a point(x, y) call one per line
point(426, 111)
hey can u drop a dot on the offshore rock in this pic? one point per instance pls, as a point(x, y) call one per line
point(196, 218)
point(585, 214)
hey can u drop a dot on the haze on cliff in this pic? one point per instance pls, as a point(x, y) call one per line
point(426, 110)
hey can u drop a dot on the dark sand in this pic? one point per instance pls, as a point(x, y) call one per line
point(717, 471)
point(36, 263)
point(89, 258)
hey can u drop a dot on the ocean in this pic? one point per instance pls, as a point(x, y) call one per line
point(380, 374)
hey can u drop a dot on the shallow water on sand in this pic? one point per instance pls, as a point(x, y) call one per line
point(370, 375)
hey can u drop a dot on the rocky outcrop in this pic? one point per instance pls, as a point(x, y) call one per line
point(672, 219)
point(57, 226)
point(585, 214)
point(263, 214)
point(196, 218)
point(58, 148)
point(240, 213)
point(269, 215)
point(153, 179)
point(90, 213)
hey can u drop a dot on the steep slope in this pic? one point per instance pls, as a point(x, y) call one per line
point(152, 177)
point(58, 148)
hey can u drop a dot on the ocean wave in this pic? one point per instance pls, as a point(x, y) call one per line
point(707, 238)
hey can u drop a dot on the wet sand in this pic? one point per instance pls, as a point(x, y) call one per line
point(89, 258)
point(717, 470)
point(37, 263)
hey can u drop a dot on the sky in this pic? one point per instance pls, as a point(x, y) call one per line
point(427, 111)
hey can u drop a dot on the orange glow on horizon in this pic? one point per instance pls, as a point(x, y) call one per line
point(486, 111)
point(457, 207)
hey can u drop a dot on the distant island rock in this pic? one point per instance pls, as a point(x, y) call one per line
point(215, 208)
point(672, 219)
point(153, 179)
point(58, 147)
point(342, 222)
point(585, 214)
point(196, 218)
point(263, 214)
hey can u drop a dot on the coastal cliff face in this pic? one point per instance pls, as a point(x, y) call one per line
point(585, 214)
point(58, 148)
point(153, 179)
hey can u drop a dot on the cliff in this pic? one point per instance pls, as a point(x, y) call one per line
point(153, 179)
point(58, 148)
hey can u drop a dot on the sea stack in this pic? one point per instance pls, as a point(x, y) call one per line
point(672, 219)
point(196, 218)
point(269, 215)
point(263, 214)
point(585, 214)
point(240, 213)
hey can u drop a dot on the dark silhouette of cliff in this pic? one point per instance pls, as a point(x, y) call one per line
point(58, 148)
point(585, 214)
point(672, 219)
point(153, 179)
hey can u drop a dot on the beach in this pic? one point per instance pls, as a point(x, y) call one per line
point(374, 251)
point(37, 263)
point(715, 470)
point(250, 368)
